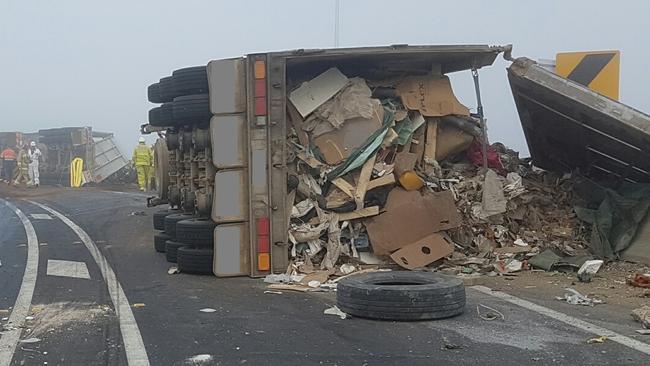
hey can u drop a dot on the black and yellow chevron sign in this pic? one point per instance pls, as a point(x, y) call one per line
point(598, 70)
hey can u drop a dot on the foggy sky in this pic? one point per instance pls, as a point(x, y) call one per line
point(80, 62)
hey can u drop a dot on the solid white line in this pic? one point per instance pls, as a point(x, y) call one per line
point(575, 322)
point(136, 354)
point(73, 269)
point(9, 339)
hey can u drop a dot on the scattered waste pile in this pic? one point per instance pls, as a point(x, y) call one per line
point(398, 171)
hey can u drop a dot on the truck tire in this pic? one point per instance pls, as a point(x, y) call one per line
point(191, 109)
point(190, 80)
point(159, 241)
point(171, 250)
point(195, 260)
point(166, 89)
point(162, 116)
point(401, 295)
point(153, 93)
point(159, 218)
point(171, 220)
point(197, 232)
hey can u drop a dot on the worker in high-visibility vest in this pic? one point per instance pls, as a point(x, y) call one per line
point(143, 161)
point(8, 157)
point(22, 174)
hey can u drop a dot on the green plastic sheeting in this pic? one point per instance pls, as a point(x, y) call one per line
point(616, 219)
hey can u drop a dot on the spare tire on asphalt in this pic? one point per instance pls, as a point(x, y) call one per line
point(171, 220)
point(195, 260)
point(191, 109)
point(159, 241)
point(190, 80)
point(159, 218)
point(153, 93)
point(171, 250)
point(401, 295)
point(162, 116)
point(197, 232)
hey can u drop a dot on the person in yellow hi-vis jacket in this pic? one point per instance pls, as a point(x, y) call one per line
point(143, 161)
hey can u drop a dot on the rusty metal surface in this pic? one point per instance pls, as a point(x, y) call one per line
point(569, 127)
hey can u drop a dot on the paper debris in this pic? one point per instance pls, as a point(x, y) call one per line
point(334, 310)
point(573, 297)
point(173, 270)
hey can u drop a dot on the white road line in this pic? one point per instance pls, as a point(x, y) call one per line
point(136, 354)
point(575, 322)
point(9, 339)
point(73, 269)
point(41, 216)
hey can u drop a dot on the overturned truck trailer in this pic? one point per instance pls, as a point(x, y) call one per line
point(98, 150)
point(237, 135)
point(570, 127)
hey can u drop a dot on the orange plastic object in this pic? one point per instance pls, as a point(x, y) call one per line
point(410, 181)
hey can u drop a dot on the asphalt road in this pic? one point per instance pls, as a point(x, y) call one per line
point(75, 318)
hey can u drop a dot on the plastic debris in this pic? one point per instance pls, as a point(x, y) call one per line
point(31, 340)
point(640, 280)
point(492, 314)
point(334, 310)
point(173, 270)
point(600, 339)
point(139, 305)
point(642, 315)
point(29, 318)
point(346, 268)
point(588, 269)
point(573, 297)
point(208, 310)
point(283, 278)
point(273, 292)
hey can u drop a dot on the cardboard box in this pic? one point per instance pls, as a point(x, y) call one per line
point(410, 216)
point(431, 95)
point(424, 251)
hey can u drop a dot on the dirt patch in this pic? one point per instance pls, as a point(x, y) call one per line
point(609, 284)
point(50, 317)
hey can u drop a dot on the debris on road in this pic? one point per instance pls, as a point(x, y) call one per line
point(334, 310)
point(640, 280)
point(139, 305)
point(31, 340)
point(642, 315)
point(600, 339)
point(208, 310)
point(199, 360)
point(273, 292)
point(573, 297)
point(588, 269)
point(492, 314)
point(173, 270)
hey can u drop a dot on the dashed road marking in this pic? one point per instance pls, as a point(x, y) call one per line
point(136, 354)
point(41, 216)
point(10, 338)
point(63, 268)
point(575, 322)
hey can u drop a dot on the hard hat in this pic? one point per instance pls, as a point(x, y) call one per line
point(32, 144)
point(141, 140)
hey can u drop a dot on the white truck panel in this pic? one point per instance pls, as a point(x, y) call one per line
point(227, 85)
point(228, 134)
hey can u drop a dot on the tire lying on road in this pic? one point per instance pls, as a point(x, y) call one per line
point(196, 232)
point(159, 241)
point(195, 260)
point(191, 109)
point(190, 80)
point(171, 220)
point(159, 218)
point(171, 250)
point(401, 295)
